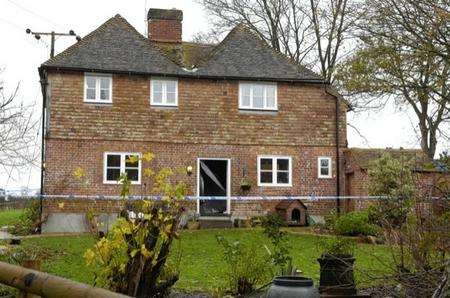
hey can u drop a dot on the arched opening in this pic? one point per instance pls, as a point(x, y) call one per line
point(295, 215)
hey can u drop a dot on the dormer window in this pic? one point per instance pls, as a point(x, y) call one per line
point(258, 96)
point(164, 92)
point(97, 88)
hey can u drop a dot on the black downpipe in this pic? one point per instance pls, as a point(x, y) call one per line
point(44, 85)
point(338, 168)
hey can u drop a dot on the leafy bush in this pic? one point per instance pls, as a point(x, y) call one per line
point(246, 268)
point(337, 246)
point(353, 224)
point(133, 257)
point(280, 256)
point(29, 221)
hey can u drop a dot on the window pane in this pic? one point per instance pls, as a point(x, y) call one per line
point(131, 161)
point(90, 93)
point(245, 96)
point(171, 86)
point(104, 83)
point(157, 97)
point(113, 160)
point(283, 177)
point(266, 177)
point(270, 97)
point(170, 97)
point(324, 162)
point(324, 171)
point(112, 174)
point(283, 164)
point(258, 96)
point(90, 82)
point(157, 86)
point(266, 164)
point(132, 174)
point(104, 94)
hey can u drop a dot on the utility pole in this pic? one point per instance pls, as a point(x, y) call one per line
point(52, 34)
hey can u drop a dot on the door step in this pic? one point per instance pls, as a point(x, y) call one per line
point(215, 222)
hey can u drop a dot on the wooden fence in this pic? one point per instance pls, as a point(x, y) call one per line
point(46, 285)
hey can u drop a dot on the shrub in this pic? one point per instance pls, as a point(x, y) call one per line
point(246, 267)
point(353, 224)
point(29, 221)
point(280, 255)
point(337, 246)
point(133, 257)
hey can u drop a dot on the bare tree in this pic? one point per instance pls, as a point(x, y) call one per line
point(17, 131)
point(403, 56)
point(307, 31)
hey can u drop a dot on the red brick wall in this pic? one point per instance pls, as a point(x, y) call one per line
point(64, 156)
point(207, 114)
point(165, 30)
point(207, 123)
point(357, 179)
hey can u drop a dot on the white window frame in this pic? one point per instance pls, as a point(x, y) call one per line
point(274, 170)
point(252, 84)
point(122, 166)
point(164, 92)
point(319, 174)
point(97, 77)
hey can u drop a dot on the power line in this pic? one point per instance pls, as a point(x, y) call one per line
point(35, 14)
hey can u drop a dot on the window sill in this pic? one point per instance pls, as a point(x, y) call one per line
point(117, 183)
point(98, 103)
point(163, 107)
point(274, 185)
point(325, 177)
point(258, 112)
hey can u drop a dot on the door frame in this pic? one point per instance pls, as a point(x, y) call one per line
point(228, 160)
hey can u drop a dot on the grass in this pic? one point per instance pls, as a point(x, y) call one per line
point(9, 216)
point(202, 267)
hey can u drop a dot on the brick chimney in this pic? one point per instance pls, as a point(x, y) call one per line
point(164, 25)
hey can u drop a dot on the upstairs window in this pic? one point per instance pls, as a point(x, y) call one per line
point(274, 171)
point(98, 88)
point(117, 163)
point(258, 96)
point(164, 92)
point(324, 167)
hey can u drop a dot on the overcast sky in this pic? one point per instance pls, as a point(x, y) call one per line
point(21, 54)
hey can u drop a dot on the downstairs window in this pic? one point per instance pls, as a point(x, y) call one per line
point(274, 171)
point(116, 163)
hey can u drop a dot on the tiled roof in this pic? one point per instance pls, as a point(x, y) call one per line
point(243, 54)
point(116, 46)
point(186, 54)
point(363, 157)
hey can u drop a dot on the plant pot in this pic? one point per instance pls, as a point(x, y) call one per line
point(336, 275)
point(245, 187)
point(292, 287)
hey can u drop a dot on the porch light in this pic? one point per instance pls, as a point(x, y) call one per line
point(189, 170)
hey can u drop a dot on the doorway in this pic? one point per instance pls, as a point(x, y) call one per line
point(213, 180)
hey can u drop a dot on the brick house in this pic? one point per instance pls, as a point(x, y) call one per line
point(235, 111)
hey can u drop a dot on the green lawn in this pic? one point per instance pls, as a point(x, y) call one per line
point(8, 217)
point(202, 266)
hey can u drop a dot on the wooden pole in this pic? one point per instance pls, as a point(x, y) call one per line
point(47, 285)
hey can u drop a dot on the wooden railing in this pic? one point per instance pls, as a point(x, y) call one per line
point(47, 285)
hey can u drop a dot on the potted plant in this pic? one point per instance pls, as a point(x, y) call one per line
point(336, 267)
point(245, 184)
